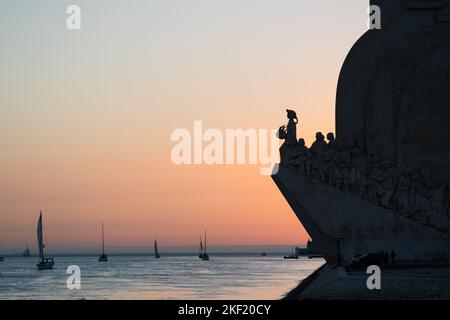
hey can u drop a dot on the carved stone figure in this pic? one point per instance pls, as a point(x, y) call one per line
point(282, 133)
point(318, 150)
point(437, 204)
point(343, 167)
point(289, 134)
point(331, 140)
point(392, 175)
point(403, 192)
point(301, 155)
point(319, 147)
point(347, 166)
point(330, 159)
point(291, 138)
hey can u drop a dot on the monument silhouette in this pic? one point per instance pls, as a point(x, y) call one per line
point(382, 183)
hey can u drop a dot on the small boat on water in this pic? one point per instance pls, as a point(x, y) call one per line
point(310, 251)
point(315, 256)
point(203, 255)
point(26, 253)
point(263, 254)
point(44, 263)
point(103, 257)
point(2, 258)
point(157, 255)
point(294, 255)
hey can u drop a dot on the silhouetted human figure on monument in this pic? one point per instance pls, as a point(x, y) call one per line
point(318, 150)
point(301, 155)
point(331, 140)
point(319, 146)
point(291, 138)
point(289, 135)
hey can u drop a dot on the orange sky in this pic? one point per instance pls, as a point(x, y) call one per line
point(86, 116)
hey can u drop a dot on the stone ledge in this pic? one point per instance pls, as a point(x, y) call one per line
point(327, 283)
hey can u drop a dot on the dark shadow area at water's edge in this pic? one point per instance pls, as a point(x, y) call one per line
point(295, 293)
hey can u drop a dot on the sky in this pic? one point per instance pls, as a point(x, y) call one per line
point(86, 115)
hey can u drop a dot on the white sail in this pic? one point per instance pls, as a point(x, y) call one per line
point(40, 237)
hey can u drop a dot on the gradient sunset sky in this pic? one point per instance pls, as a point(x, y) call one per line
point(86, 116)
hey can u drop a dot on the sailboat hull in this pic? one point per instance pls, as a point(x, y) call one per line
point(46, 264)
point(103, 258)
point(157, 255)
point(203, 255)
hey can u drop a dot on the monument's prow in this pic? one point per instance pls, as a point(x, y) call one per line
point(382, 184)
point(343, 225)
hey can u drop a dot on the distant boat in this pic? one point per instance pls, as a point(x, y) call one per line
point(203, 255)
point(294, 255)
point(157, 256)
point(44, 263)
point(26, 252)
point(310, 251)
point(315, 256)
point(263, 254)
point(1, 258)
point(103, 257)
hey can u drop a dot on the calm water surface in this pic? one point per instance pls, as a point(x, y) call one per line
point(144, 277)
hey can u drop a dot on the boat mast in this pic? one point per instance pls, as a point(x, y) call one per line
point(204, 249)
point(40, 237)
point(103, 240)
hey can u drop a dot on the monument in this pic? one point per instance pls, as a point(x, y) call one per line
point(383, 182)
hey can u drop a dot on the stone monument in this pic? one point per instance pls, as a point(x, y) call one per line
point(382, 183)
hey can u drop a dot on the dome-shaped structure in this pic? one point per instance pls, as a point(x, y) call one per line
point(393, 90)
point(423, 132)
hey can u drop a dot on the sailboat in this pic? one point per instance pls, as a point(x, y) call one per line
point(203, 255)
point(103, 257)
point(26, 252)
point(44, 263)
point(294, 255)
point(157, 255)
